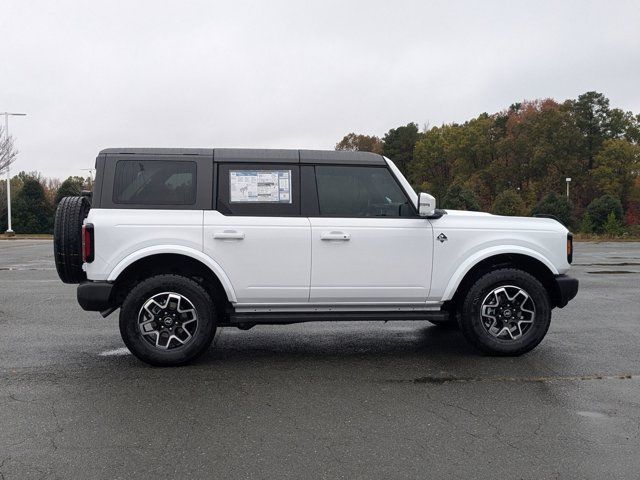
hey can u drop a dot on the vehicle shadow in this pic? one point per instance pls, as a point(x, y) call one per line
point(355, 343)
point(392, 352)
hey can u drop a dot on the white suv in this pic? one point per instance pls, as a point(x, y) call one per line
point(183, 241)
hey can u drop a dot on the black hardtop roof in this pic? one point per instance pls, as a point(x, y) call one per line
point(259, 155)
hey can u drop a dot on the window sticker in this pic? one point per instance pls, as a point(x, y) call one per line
point(260, 186)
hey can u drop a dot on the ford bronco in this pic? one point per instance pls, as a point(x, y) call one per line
point(183, 241)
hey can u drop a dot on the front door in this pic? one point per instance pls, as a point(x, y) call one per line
point(368, 245)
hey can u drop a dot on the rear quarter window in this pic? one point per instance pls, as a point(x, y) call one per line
point(259, 189)
point(155, 182)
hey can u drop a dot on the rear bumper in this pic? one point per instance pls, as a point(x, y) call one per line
point(566, 288)
point(95, 296)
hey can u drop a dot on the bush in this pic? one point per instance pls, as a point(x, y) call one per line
point(587, 224)
point(599, 211)
point(612, 226)
point(459, 197)
point(556, 205)
point(508, 203)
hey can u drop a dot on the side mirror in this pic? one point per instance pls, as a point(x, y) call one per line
point(426, 205)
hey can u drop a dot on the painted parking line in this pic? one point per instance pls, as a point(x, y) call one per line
point(115, 352)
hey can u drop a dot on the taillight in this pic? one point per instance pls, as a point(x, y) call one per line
point(569, 247)
point(87, 243)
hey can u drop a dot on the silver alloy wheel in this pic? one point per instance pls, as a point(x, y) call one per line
point(507, 312)
point(168, 320)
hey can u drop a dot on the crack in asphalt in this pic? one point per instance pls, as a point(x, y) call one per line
point(438, 380)
point(619, 264)
point(611, 272)
point(4, 460)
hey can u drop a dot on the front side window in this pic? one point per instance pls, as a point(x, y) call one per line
point(360, 192)
point(155, 182)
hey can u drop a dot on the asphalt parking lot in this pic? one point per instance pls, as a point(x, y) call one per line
point(333, 400)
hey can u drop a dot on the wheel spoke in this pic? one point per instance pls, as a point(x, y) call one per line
point(152, 307)
point(507, 312)
point(166, 317)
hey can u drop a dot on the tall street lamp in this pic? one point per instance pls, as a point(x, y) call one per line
point(6, 132)
point(568, 181)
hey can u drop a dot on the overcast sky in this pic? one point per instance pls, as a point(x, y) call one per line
point(291, 74)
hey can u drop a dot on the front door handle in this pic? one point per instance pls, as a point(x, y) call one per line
point(335, 236)
point(229, 235)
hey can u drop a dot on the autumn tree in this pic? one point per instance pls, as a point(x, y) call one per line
point(362, 143)
point(529, 148)
point(432, 168)
point(8, 151)
point(399, 144)
point(591, 113)
point(616, 167)
point(508, 202)
point(458, 197)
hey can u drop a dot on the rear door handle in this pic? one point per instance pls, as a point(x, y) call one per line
point(229, 235)
point(335, 236)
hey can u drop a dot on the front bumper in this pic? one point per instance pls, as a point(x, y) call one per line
point(95, 296)
point(566, 289)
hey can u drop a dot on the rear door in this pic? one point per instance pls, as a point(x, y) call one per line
point(256, 233)
point(368, 244)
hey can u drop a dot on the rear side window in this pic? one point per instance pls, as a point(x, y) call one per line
point(155, 182)
point(345, 191)
point(259, 189)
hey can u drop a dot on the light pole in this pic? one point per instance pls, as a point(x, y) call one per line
point(568, 181)
point(6, 133)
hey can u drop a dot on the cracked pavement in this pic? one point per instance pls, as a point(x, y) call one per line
point(326, 400)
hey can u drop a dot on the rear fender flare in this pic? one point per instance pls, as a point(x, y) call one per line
point(179, 250)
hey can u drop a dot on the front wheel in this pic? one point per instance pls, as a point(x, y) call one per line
point(167, 320)
point(506, 312)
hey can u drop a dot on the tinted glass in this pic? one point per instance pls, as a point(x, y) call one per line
point(360, 192)
point(260, 186)
point(258, 189)
point(155, 182)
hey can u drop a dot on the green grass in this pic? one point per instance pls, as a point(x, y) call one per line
point(582, 237)
point(27, 236)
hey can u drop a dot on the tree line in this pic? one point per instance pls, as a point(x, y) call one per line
point(516, 161)
point(34, 199)
point(513, 162)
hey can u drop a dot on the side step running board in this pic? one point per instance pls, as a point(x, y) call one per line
point(267, 318)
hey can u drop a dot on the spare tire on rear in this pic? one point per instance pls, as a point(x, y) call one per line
point(67, 238)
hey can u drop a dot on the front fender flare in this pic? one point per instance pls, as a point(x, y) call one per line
point(179, 250)
point(477, 257)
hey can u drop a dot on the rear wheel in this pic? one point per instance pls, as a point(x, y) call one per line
point(167, 320)
point(506, 312)
point(67, 238)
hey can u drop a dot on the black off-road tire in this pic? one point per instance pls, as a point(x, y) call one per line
point(139, 345)
point(67, 238)
point(471, 323)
